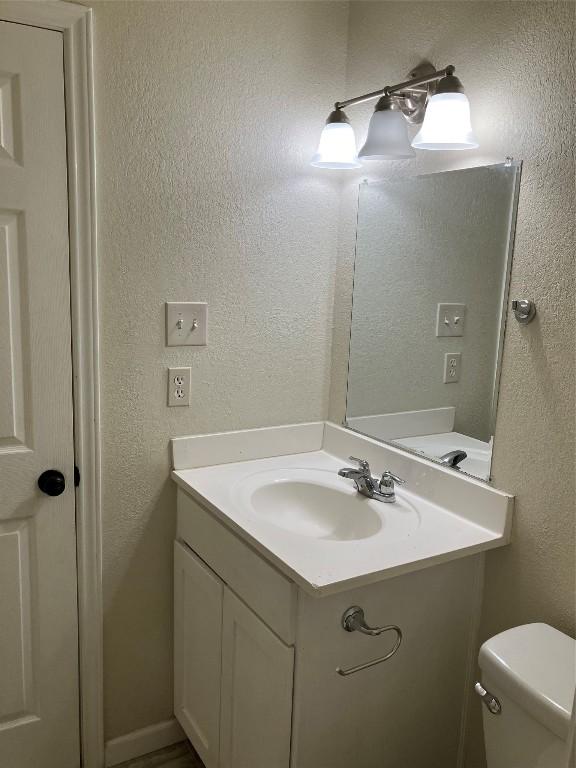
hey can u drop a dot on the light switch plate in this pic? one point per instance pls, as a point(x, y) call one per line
point(452, 366)
point(450, 319)
point(186, 323)
point(179, 386)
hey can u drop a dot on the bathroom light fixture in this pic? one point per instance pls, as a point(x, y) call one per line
point(447, 121)
point(387, 132)
point(435, 97)
point(337, 147)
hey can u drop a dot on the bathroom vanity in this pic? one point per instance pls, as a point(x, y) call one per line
point(272, 669)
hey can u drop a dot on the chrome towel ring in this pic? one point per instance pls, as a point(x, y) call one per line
point(353, 621)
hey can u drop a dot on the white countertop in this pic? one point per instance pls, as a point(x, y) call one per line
point(415, 533)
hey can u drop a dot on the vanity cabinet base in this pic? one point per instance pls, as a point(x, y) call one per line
point(198, 609)
point(260, 689)
point(257, 691)
point(233, 677)
point(408, 711)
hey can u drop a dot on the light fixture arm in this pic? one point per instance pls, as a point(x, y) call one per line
point(407, 85)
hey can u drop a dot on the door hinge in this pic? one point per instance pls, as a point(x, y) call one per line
point(76, 476)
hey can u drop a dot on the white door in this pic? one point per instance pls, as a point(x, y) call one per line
point(257, 683)
point(38, 614)
point(198, 599)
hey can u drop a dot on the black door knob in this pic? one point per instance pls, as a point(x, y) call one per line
point(52, 482)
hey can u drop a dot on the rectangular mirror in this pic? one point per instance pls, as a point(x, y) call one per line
point(433, 258)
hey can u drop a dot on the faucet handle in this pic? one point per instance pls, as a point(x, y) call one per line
point(364, 466)
point(388, 476)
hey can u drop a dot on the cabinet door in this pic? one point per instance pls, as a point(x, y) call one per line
point(198, 601)
point(257, 681)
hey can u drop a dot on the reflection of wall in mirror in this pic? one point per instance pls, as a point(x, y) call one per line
point(441, 238)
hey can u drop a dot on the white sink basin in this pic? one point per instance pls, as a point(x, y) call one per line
point(316, 528)
point(321, 505)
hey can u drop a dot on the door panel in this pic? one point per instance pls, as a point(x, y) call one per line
point(198, 595)
point(38, 613)
point(12, 405)
point(17, 690)
point(257, 682)
point(10, 119)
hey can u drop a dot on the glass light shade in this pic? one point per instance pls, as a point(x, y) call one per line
point(337, 148)
point(387, 136)
point(446, 124)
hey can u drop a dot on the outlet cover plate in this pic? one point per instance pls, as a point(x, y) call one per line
point(186, 323)
point(179, 386)
point(452, 366)
point(450, 319)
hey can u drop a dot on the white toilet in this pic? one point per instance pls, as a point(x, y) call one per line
point(528, 683)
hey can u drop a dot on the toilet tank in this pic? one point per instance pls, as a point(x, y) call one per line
point(532, 671)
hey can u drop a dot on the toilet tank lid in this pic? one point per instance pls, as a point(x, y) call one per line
point(535, 665)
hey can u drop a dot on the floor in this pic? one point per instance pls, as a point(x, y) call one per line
point(177, 756)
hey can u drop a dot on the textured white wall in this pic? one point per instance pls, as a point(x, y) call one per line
point(207, 114)
point(436, 238)
point(514, 61)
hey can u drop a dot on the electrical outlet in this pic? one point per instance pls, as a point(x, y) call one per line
point(450, 319)
point(179, 386)
point(452, 366)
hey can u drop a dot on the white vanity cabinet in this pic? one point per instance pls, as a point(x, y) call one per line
point(256, 691)
point(198, 608)
point(256, 660)
point(233, 675)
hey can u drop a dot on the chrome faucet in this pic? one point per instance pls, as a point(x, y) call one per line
point(365, 483)
point(381, 490)
point(453, 458)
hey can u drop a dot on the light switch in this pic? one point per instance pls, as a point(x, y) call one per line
point(450, 319)
point(186, 323)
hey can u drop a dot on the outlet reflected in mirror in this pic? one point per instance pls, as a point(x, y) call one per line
point(433, 257)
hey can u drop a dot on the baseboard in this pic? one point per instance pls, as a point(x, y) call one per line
point(143, 741)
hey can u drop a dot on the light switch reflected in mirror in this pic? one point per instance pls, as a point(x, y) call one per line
point(433, 256)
